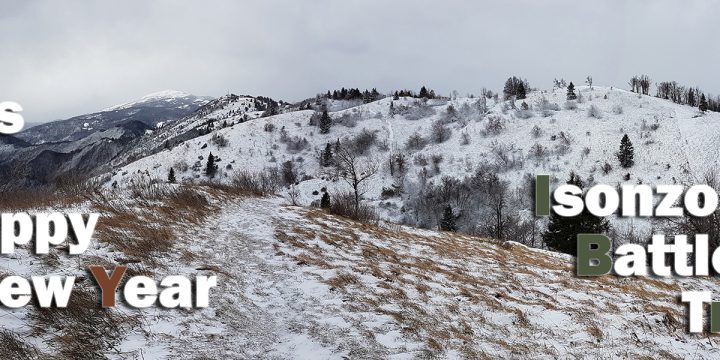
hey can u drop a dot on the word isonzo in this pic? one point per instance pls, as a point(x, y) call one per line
point(631, 200)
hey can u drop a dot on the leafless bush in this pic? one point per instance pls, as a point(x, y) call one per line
point(436, 160)
point(546, 108)
point(296, 144)
point(348, 119)
point(418, 110)
point(363, 141)
point(439, 132)
point(343, 204)
point(536, 132)
point(420, 160)
point(570, 105)
point(537, 152)
point(464, 138)
point(261, 184)
point(524, 113)
point(565, 138)
point(617, 109)
point(415, 142)
point(594, 112)
point(506, 157)
point(606, 168)
point(493, 126)
point(585, 152)
point(269, 127)
point(219, 140)
point(181, 166)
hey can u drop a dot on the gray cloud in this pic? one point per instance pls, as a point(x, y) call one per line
point(66, 58)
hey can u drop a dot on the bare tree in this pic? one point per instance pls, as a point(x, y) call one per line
point(354, 170)
point(589, 81)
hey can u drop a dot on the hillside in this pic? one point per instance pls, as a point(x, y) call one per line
point(673, 144)
point(297, 282)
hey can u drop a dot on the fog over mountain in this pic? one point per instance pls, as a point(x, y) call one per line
point(64, 59)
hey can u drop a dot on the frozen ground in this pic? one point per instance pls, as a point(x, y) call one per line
point(298, 283)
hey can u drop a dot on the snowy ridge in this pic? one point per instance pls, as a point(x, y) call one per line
point(673, 144)
point(164, 95)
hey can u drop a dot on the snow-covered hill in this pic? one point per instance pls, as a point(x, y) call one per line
point(673, 143)
point(151, 109)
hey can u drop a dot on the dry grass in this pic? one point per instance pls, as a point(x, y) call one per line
point(82, 330)
point(148, 224)
point(440, 288)
point(15, 348)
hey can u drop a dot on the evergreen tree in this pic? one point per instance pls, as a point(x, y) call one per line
point(325, 201)
point(703, 103)
point(171, 176)
point(327, 156)
point(571, 92)
point(325, 122)
point(626, 153)
point(691, 97)
point(561, 234)
point(521, 91)
point(211, 167)
point(423, 92)
point(448, 220)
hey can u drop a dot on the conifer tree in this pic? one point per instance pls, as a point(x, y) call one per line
point(561, 234)
point(521, 91)
point(448, 220)
point(703, 103)
point(171, 176)
point(325, 122)
point(327, 156)
point(626, 153)
point(211, 167)
point(571, 92)
point(325, 201)
point(423, 92)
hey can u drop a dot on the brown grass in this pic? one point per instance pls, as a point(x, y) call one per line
point(83, 329)
point(13, 347)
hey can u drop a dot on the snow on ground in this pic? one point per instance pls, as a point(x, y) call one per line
point(673, 143)
point(298, 283)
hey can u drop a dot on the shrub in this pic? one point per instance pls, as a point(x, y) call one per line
point(606, 168)
point(260, 184)
point(493, 126)
point(536, 132)
point(538, 152)
point(439, 132)
point(269, 127)
point(417, 111)
point(296, 144)
point(219, 140)
point(364, 141)
point(617, 110)
point(343, 204)
point(523, 114)
point(415, 142)
point(570, 105)
point(594, 112)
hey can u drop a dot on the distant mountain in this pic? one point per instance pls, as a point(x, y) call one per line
point(153, 110)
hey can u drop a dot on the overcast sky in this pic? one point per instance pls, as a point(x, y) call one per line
point(61, 59)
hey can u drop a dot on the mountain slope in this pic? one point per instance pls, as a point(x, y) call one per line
point(299, 283)
point(152, 110)
point(673, 144)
